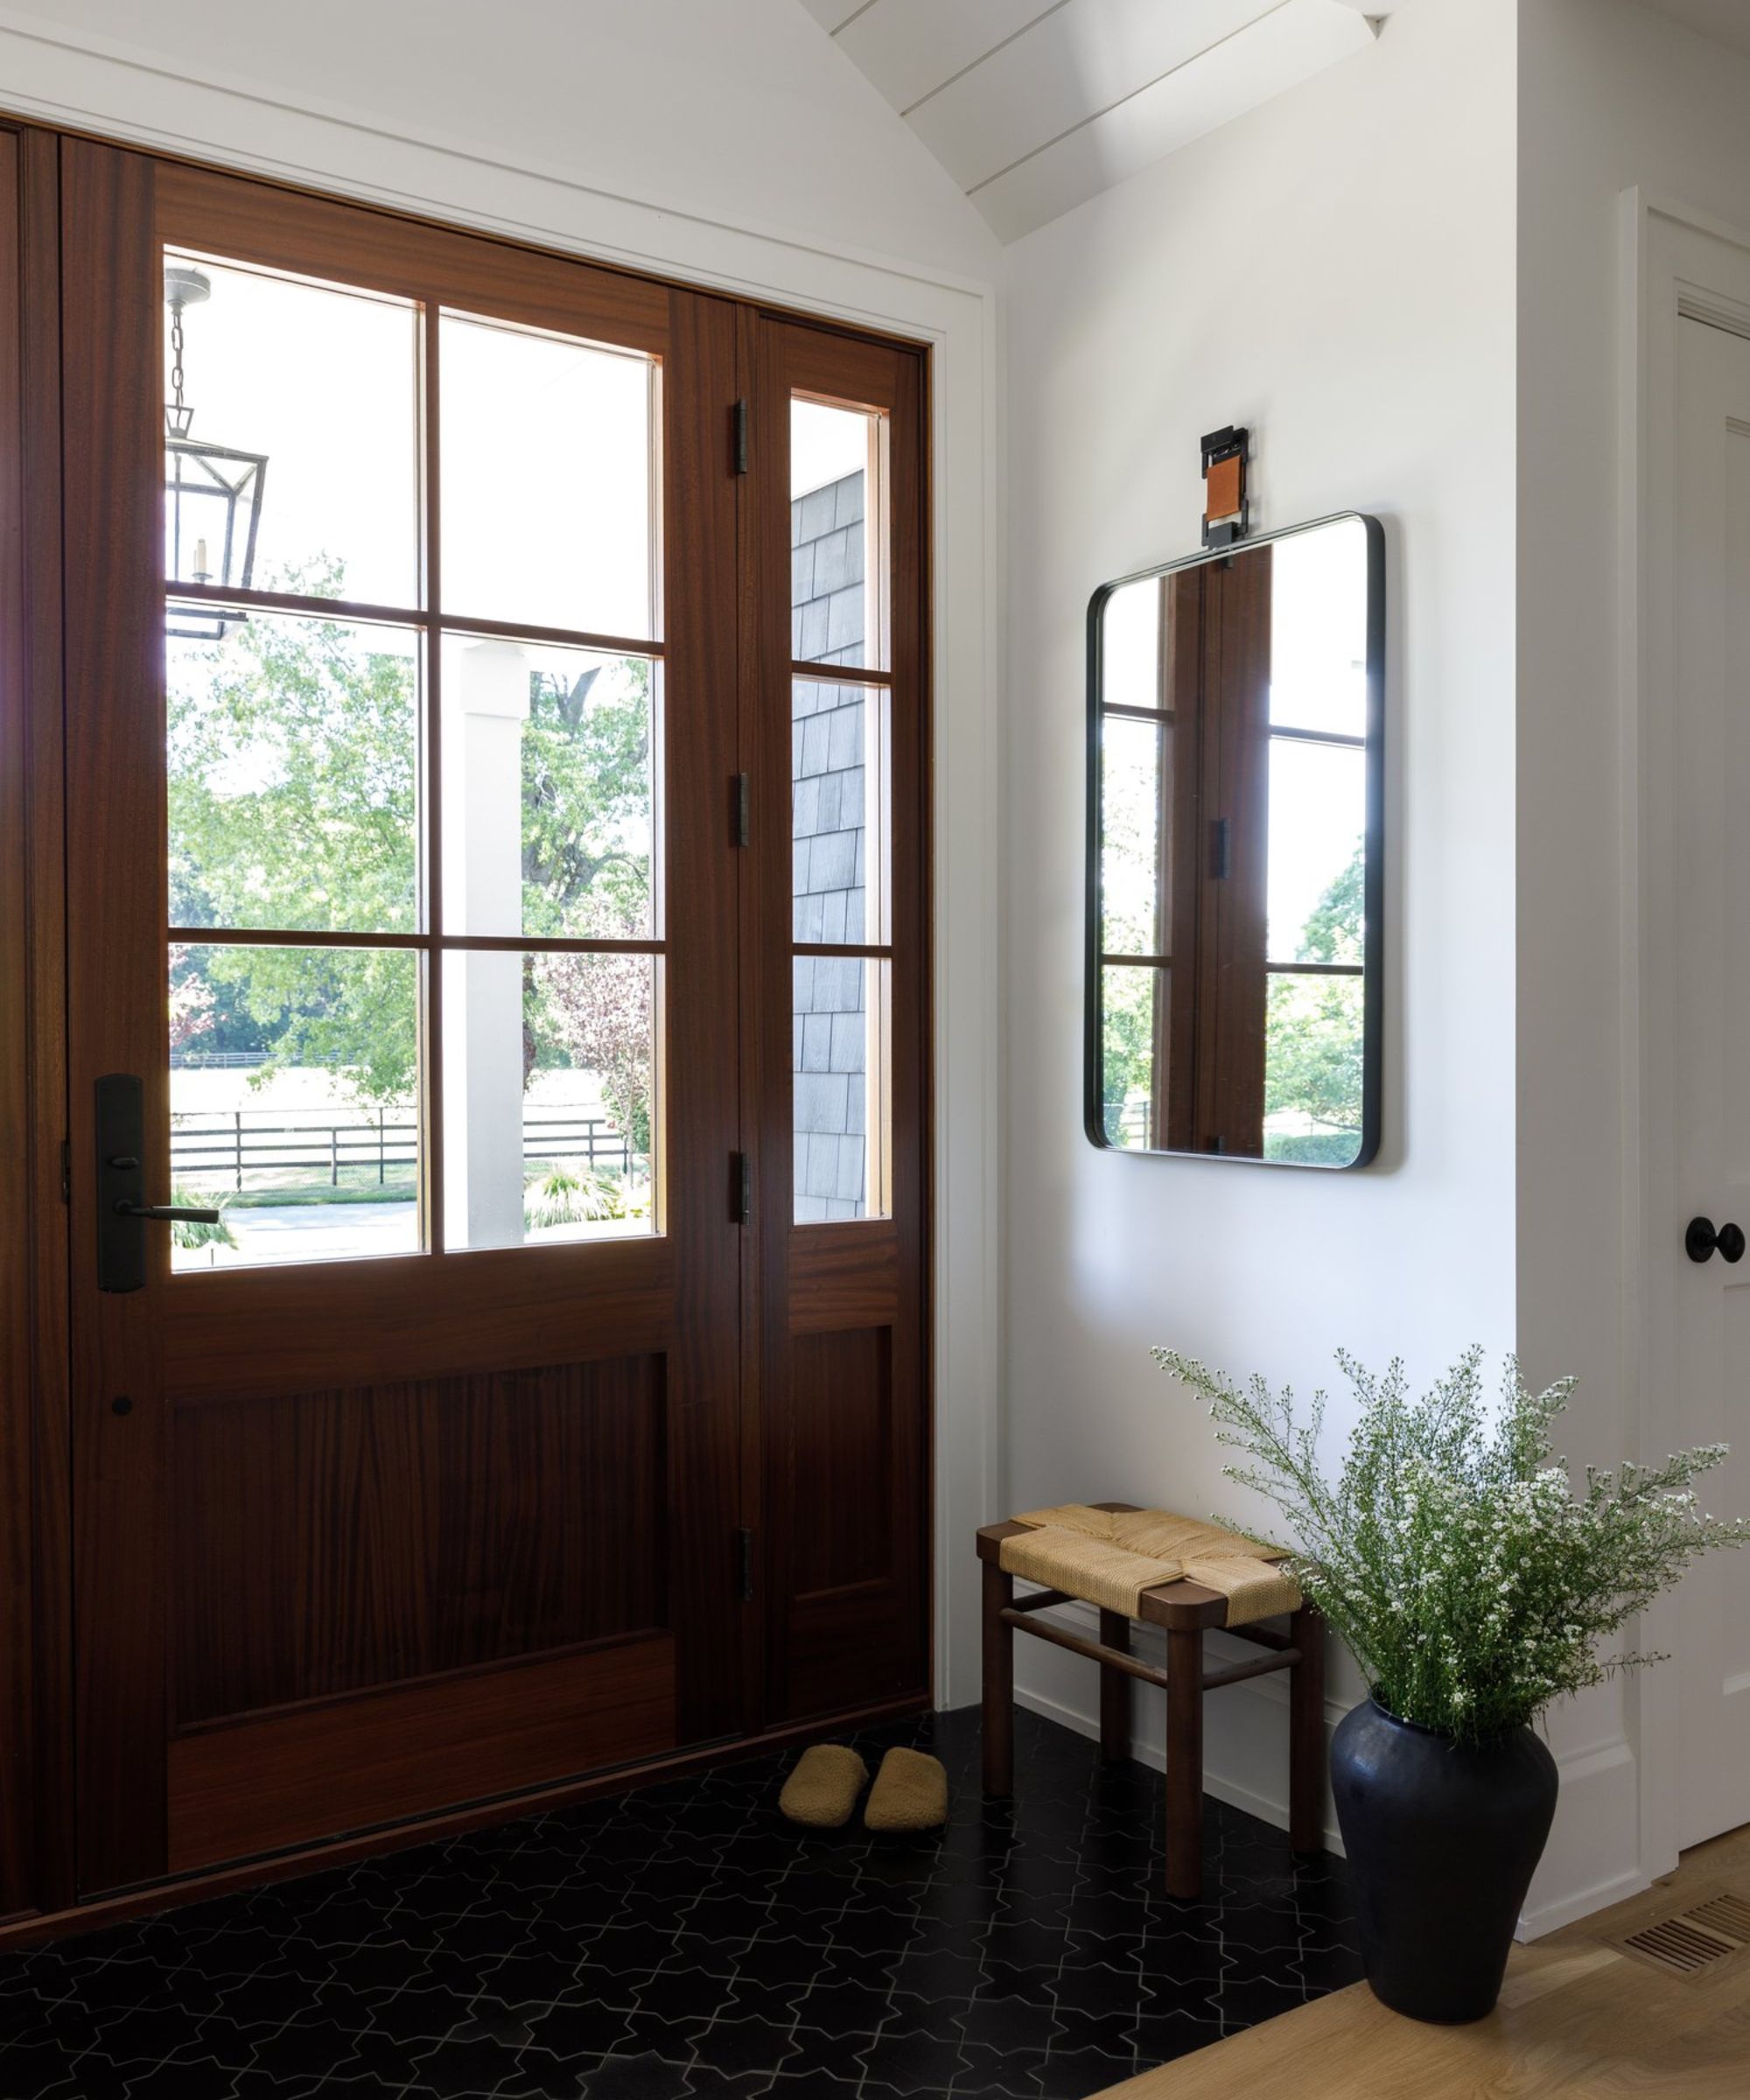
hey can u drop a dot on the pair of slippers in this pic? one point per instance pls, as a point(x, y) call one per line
point(910, 1791)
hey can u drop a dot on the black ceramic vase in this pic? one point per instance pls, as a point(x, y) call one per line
point(1442, 1839)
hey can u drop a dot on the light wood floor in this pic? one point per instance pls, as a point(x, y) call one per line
point(1578, 2021)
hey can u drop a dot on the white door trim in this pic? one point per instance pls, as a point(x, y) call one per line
point(1676, 259)
point(96, 86)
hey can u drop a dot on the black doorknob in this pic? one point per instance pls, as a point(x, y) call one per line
point(1700, 1241)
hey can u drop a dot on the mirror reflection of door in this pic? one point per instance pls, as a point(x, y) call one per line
point(1237, 779)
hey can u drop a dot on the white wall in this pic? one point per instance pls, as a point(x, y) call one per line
point(1612, 95)
point(1336, 270)
point(742, 113)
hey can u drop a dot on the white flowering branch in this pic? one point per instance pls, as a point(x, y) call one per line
point(1450, 1554)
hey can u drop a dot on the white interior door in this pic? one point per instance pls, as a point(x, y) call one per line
point(1711, 739)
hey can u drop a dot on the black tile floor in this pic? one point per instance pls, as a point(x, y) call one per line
point(686, 1940)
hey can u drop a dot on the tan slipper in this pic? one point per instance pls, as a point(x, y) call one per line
point(823, 1789)
point(910, 1793)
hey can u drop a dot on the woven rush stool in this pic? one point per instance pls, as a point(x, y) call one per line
point(1186, 1610)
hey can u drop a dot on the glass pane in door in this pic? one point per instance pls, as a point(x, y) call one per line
point(292, 459)
point(550, 790)
point(842, 1088)
point(294, 1103)
point(552, 1126)
point(293, 761)
point(838, 535)
point(549, 473)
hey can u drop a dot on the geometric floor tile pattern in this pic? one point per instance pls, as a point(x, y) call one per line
point(685, 1940)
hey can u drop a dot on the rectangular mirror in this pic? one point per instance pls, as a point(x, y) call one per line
point(1235, 784)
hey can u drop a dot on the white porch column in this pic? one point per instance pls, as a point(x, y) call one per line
point(486, 703)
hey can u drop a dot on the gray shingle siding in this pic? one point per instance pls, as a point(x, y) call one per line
point(826, 751)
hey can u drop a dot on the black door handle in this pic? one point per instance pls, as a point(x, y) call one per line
point(1701, 1241)
point(122, 1208)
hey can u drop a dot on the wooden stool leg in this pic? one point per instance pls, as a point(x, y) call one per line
point(1184, 1764)
point(1306, 1733)
point(999, 1682)
point(1114, 1691)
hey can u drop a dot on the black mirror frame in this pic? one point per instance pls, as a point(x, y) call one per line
point(1373, 883)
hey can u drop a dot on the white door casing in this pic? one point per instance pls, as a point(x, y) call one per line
point(1711, 748)
point(1686, 786)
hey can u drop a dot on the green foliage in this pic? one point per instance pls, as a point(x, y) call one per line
point(293, 764)
point(194, 1232)
point(567, 1196)
point(1127, 1046)
point(586, 800)
point(1313, 1049)
point(1450, 1556)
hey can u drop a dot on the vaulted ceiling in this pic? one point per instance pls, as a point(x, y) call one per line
point(1034, 106)
point(1725, 21)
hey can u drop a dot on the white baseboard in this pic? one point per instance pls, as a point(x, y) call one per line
point(1561, 1910)
point(1262, 1806)
point(1264, 1698)
point(1591, 1861)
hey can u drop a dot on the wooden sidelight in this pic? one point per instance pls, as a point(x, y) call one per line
point(527, 1380)
point(839, 1086)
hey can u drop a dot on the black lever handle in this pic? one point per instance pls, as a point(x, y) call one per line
point(122, 1208)
point(1701, 1241)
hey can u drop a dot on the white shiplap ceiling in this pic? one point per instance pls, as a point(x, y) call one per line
point(1034, 106)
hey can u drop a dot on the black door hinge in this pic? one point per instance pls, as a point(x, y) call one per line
point(1220, 849)
point(740, 809)
point(740, 1188)
point(739, 442)
point(744, 1566)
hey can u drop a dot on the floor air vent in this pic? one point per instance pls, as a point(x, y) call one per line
point(1693, 1940)
point(1729, 1915)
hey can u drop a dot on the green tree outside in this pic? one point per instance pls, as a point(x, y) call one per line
point(293, 763)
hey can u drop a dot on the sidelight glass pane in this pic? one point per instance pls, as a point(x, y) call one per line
point(1318, 827)
point(1133, 1055)
point(293, 1096)
point(1313, 1069)
point(304, 401)
point(1136, 913)
point(293, 749)
point(842, 1088)
point(1318, 630)
point(549, 793)
point(840, 812)
point(838, 535)
point(548, 470)
point(552, 1126)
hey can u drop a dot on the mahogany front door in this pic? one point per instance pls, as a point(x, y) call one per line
point(402, 701)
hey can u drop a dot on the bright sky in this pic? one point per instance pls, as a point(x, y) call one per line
point(826, 444)
point(545, 496)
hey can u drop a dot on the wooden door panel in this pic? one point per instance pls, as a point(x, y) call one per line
point(341, 243)
point(849, 1458)
point(843, 1279)
point(117, 913)
point(352, 1534)
point(368, 1322)
point(290, 1779)
point(359, 1540)
point(324, 1542)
